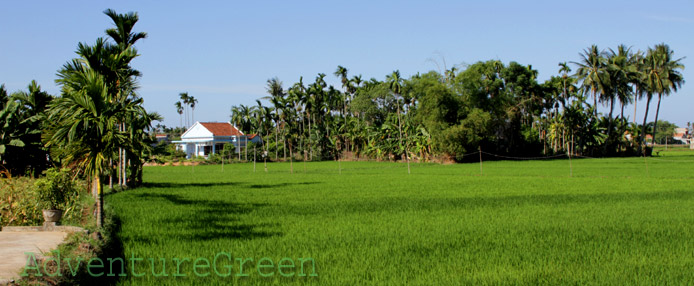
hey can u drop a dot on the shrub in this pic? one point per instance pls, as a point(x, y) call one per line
point(20, 203)
point(56, 188)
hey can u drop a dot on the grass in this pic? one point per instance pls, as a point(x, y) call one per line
point(616, 221)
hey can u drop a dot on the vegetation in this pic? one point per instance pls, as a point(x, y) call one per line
point(492, 106)
point(20, 204)
point(56, 188)
point(615, 221)
point(97, 125)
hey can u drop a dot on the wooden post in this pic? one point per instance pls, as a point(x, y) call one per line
point(479, 149)
point(571, 168)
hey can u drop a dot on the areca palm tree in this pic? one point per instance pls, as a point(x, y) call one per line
point(179, 110)
point(192, 101)
point(663, 75)
point(124, 86)
point(122, 33)
point(276, 98)
point(592, 71)
point(185, 100)
point(395, 83)
point(85, 120)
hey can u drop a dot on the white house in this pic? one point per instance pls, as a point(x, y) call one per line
point(204, 138)
point(682, 135)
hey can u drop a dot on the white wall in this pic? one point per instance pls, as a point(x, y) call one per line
point(195, 132)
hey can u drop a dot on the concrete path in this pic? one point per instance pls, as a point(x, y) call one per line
point(14, 244)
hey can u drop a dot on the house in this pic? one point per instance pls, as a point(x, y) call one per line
point(204, 138)
point(162, 138)
point(681, 135)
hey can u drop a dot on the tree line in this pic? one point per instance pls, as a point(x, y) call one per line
point(488, 105)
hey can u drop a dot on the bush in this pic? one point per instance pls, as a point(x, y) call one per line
point(55, 189)
point(20, 204)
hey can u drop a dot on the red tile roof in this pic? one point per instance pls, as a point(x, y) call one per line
point(221, 129)
point(680, 135)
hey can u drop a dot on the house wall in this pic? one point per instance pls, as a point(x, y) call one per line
point(197, 131)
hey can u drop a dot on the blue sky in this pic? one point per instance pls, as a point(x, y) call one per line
point(223, 52)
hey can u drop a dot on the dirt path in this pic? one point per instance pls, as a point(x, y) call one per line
point(13, 245)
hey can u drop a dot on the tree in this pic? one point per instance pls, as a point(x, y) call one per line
point(179, 110)
point(592, 72)
point(663, 75)
point(87, 123)
point(185, 100)
point(122, 34)
point(276, 98)
point(192, 102)
point(395, 82)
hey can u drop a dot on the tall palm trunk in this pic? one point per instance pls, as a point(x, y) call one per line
point(609, 125)
point(595, 103)
point(405, 147)
point(643, 131)
point(99, 201)
point(636, 100)
point(291, 159)
point(655, 123)
point(277, 145)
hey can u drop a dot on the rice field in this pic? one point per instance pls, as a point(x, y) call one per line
point(614, 221)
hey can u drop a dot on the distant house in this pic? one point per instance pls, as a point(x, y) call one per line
point(682, 135)
point(204, 138)
point(162, 138)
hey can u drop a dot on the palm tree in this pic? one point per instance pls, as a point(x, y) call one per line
point(185, 99)
point(123, 84)
point(395, 83)
point(179, 109)
point(87, 122)
point(621, 70)
point(192, 102)
point(122, 34)
point(276, 98)
point(593, 73)
point(663, 75)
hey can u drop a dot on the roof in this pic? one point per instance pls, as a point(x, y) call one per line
point(221, 129)
point(678, 135)
point(162, 135)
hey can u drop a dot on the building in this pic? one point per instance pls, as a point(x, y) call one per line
point(162, 138)
point(204, 138)
point(682, 135)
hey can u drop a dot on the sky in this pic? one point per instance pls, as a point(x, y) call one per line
point(223, 52)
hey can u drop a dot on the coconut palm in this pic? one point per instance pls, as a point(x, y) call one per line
point(592, 71)
point(663, 75)
point(621, 71)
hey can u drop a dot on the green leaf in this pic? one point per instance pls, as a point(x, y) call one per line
point(16, 142)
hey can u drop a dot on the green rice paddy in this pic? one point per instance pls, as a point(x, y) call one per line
point(625, 221)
